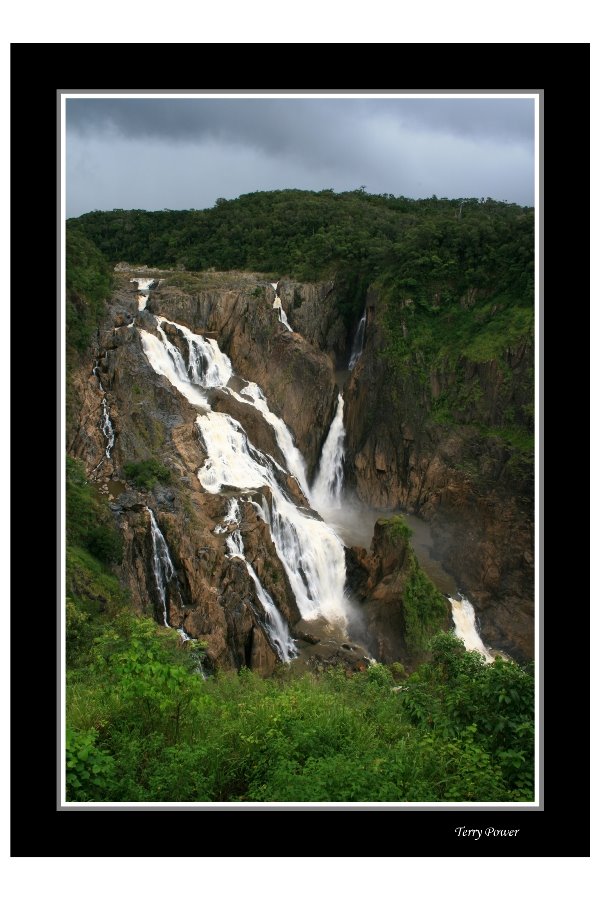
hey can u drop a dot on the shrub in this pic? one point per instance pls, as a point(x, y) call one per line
point(146, 473)
point(89, 522)
point(89, 769)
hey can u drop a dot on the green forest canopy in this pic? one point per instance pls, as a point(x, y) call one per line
point(310, 235)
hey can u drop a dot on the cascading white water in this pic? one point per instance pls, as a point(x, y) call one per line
point(265, 509)
point(358, 342)
point(277, 305)
point(311, 553)
point(166, 360)
point(143, 286)
point(107, 428)
point(275, 624)
point(291, 454)
point(326, 492)
point(106, 425)
point(142, 283)
point(465, 626)
point(162, 564)
point(235, 544)
point(208, 366)
point(283, 319)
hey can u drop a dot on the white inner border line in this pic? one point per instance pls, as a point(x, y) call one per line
point(64, 804)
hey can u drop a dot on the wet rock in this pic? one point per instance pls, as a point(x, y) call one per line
point(297, 378)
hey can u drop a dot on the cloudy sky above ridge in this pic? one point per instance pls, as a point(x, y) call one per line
point(183, 154)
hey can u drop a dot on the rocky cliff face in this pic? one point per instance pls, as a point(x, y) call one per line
point(297, 378)
point(461, 476)
point(312, 309)
point(462, 479)
point(211, 595)
point(379, 579)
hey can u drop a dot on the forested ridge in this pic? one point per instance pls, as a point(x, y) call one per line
point(424, 246)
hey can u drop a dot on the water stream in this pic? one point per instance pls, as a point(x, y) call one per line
point(144, 285)
point(162, 565)
point(465, 626)
point(277, 305)
point(274, 623)
point(326, 493)
point(311, 552)
point(106, 424)
point(359, 342)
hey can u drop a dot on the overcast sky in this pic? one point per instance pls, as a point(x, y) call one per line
point(183, 154)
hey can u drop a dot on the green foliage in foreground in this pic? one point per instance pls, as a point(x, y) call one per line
point(146, 472)
point(143, 726)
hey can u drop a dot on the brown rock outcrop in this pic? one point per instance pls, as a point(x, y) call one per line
point(461, 477)
point(210, 595)
point(297, 378)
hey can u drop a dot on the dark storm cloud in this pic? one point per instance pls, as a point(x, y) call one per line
point(297, 125)
point(182, 153)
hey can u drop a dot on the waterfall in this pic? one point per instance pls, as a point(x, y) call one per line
point(143, 286)
point(309, 549)
point(311, 553)
point(235, 544)
point(166, 360)
point(277, 305)
point(358, 342)
point(209, 367)
point(106, 426)
point(283, 319)
point(274, 624)
point(162, 564)
point(465, 626)
point(293, 458)
point(327, 488)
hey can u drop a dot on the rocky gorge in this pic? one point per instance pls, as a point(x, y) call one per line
point(396, 457)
